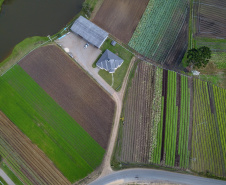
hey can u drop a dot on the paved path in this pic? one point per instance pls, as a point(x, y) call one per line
point(6, 178)
point(150, 175)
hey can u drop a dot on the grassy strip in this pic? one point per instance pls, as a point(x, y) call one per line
point(10, 174)
point(40, 118)
point(121, 71)
point(2, 181)
point(21, 50)
point(1, 2)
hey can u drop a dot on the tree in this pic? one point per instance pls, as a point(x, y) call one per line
point(198, 57)
point(86, 8)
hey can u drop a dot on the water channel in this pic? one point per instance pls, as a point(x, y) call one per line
point(20, 19)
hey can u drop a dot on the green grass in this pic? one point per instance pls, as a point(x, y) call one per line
point(1, 2)
point(21, 50)
point(215, 79)
point(10, 174)
point(2, 182)
point(219, 59)
point(213, 44)
point(48, 125)
point(121, 71)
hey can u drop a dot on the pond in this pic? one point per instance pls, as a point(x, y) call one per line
point(20, 19)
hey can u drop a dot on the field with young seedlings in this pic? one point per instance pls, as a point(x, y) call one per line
point(156, 119)
point(172, 120)
point(208, 138)
point(163, 24)
point(28, 161)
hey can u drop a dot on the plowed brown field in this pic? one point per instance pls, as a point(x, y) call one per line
point(120, 17)
point(30, 160)
point(73, 90)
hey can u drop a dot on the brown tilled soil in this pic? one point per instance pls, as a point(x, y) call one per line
point(73, 90)
point(138, 116)
point(120, 17)
point(32, 161)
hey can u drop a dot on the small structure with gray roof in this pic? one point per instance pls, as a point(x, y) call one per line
point(89, 31)
point(109, 61)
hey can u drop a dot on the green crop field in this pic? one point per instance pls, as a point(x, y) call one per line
point(208, 138)
point(171, 120)
point(48, 126)
point(155, 35)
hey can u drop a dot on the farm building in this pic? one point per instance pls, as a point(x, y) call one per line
point(89, 31)
point(109, 61)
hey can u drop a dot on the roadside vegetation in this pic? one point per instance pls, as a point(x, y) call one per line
point(2, 181)
point(121, 71)
point(10, 174)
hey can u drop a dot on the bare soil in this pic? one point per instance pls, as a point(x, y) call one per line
point(73, 90)
point(33, 162)
point(120, 17)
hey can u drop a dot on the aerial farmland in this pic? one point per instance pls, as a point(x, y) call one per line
point(124, 84)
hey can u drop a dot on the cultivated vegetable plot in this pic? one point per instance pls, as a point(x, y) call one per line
point(73, 151)
point(159, 28)
point(208, 150)
point(26, 159)
point(210, 18)
point(153, 130)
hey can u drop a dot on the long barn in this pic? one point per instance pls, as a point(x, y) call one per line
point(89, 31)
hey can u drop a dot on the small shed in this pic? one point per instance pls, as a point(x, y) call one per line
point(113, 43)
point(89, 31)
point(109, 61)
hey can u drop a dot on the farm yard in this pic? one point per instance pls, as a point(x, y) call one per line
point(163, 24)
point(210, 18)
point(71, 88)
point(120, 18)
point(29, 162)
point(167, 125)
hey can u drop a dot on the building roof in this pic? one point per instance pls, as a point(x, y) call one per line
point(109, 61)
point(89, 31)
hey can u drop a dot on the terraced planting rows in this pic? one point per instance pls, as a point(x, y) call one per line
point(159, 28)
point(156, 119)
point(48, 126)
point(28, 161)
point(208, 141)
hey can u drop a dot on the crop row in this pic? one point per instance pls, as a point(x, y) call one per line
point(156, 109)
point(48, 125)
point(219, 97)
point(184, 123)
point(171, 120)
point(158, 28)
point(207, 152)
